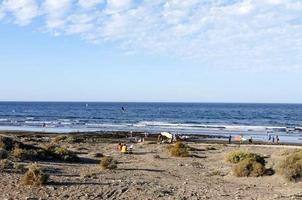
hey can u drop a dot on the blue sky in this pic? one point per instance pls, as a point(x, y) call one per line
point(151, 50)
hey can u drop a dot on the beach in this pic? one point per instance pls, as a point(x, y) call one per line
point(149, 173)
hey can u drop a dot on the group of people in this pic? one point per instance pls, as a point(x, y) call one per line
point(274, 139)
point(123, 148)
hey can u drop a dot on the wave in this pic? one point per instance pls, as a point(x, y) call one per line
point(145, 125)
point(217, 127)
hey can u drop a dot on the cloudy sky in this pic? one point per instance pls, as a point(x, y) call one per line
point(151, 50)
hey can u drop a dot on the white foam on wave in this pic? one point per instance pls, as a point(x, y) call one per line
point(212, 127)
point(30, 118)
point(95, 125)
point(40, 122)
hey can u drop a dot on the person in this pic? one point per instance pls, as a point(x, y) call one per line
point(241, 139)
point(131, 149)
point(277, 139)
point(124, 149)
point(230, 139)
point(159, 139)
point(273, 139)
point(119, 147)
point(251, 140)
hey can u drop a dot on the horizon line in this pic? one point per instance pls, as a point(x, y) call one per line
point(168, 102)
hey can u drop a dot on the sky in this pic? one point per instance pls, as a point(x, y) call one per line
point(151, 50)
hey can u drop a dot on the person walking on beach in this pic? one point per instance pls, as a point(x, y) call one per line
point(273, 139)
point(230, 139)
point(277, 139)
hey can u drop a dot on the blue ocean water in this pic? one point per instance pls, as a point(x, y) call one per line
point(213, 118)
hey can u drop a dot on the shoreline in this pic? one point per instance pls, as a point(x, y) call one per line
point(194, 138)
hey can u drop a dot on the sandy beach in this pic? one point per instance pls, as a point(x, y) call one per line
point(149, 173)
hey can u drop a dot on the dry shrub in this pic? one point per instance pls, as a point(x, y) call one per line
point(35, 176)
point(238, 156)
point(68, 139)
point(6, 164)
point(3, 154)
point(108, 163)
point(19, 168)
point(59, 138)
point(156, 157)
point(249, 168)
point(18, 152)
point(86, 173)
point(179, 150)
point(216, 173)
point(290, 167)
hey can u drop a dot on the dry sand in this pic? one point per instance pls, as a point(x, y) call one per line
point(142, 176)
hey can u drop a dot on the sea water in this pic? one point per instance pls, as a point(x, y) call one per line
point(221, 119)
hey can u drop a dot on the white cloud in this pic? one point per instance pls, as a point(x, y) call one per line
point(23, 10)
point(55, 11)
point(90, 3)
point(119, 4)
point(221, 33)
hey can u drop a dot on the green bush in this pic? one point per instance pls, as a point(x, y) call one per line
point(68, 139)
point(249, 168)
point(290, 167)
point(6, 143)
point(60, 153)
point(108, 163)
point(35, 176)
point(179, 150)
point(238, 155)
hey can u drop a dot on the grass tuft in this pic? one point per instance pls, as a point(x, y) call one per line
point(34, 176)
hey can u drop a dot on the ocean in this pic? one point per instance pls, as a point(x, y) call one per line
point(252, 120)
